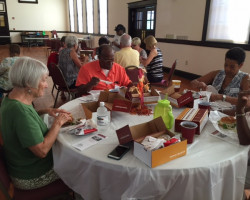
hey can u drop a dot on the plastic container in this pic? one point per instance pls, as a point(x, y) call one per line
point(102, 115)
point(164, 109)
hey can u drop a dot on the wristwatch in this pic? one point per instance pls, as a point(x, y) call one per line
point(224, 97)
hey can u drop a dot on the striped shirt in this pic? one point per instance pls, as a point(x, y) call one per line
point(154, 68)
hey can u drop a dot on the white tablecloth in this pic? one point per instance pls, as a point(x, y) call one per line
point(212, 169)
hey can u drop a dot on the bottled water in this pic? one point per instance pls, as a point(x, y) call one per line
point(102, 117)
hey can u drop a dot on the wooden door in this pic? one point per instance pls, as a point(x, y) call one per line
point(142, 21)
point(4, 25)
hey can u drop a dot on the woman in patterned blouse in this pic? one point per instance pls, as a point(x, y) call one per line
point(228, 82)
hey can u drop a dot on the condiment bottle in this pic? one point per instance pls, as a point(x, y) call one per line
point(164, 109)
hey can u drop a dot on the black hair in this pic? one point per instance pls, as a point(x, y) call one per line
point(103, 40)
point(120, 27)
point(238, 54)
point(63, 39)
point(103, 47)
point(14, 49)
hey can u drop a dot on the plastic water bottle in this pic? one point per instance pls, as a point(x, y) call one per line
point(90, 58)
point(164, 109)
point(102, 117)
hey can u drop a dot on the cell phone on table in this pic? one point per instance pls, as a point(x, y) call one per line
point(118, 152)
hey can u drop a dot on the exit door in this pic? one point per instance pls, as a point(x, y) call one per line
point(142, 22)
point(4, 25)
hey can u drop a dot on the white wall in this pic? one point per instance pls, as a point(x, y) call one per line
point(47, 15)
point(176, 17)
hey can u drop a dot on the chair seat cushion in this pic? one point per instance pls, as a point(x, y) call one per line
point(56, 188)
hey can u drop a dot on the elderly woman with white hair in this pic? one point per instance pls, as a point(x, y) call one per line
point(136, 45)
point(27, 141)
point(69, 62)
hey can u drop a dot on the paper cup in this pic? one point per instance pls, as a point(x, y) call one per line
point(204, 105)
point(188, 130)
point(177, 85)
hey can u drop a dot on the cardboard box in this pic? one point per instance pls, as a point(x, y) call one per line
point(149, 98)
point(176, 99)
point(196, 115)
point(154, 128)
point(113, 101)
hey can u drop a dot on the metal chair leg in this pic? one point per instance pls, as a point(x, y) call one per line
point(53, 88)
point(56, 98)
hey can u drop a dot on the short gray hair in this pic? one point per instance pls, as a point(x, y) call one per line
point(71, 41)
point(27, 72)
point(136, 41)
point(126, 40)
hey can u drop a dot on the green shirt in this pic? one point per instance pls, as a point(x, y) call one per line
point(22, 128)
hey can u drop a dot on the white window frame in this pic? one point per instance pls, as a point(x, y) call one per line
point(71, 15)
point(90, 15)
point(103, 16)
point(79, 8)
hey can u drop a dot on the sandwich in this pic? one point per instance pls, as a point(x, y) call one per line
point(228, 122)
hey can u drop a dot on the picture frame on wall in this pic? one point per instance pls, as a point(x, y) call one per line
point(27, 1)
point(2, 6)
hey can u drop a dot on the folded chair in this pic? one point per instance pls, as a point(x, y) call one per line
point(167, 82)
point(60, 83)
point(56, 190)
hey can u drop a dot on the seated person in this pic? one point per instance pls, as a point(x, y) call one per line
point(154, 61)
point(63, 44)
point(101, 41)
point(120, 30)
point(5, 66)
point(27, 144)
point(69, 62)
point(136, 44)
point(103, 69)
point(127, 56)
point(228, 82)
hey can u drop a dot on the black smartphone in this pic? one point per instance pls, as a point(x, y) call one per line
point(119, 152)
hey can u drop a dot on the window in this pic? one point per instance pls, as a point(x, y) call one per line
point(79, 15)
point(103, 16)
point(89, 9)
point(228, 21)
point(150, 19)
point(71, 15)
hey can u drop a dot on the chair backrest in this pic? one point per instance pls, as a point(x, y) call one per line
point(4, 176)
point(171, 72)
point(53, 58)
point(133, 73)
point(57, 76)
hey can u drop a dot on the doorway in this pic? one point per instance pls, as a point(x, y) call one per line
point(142, 19)
point(4, 25)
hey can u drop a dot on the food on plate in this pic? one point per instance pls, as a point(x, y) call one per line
point(72, 121)
point(228, 122)
point(135, 90)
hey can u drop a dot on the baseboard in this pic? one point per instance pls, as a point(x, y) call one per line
point(186, 75)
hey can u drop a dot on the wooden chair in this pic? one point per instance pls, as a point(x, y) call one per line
point(60, 83)
point(56, 190)
point(167, 82)
point(53, 58)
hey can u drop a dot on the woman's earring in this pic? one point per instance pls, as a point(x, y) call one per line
point(29, 91)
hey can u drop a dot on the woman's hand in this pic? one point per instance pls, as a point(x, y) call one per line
point(62, 118)
point(54, 111)
point(243, 101)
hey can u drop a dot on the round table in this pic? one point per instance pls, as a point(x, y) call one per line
point(212, 169)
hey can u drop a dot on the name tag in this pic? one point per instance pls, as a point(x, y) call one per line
point(234, 90)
